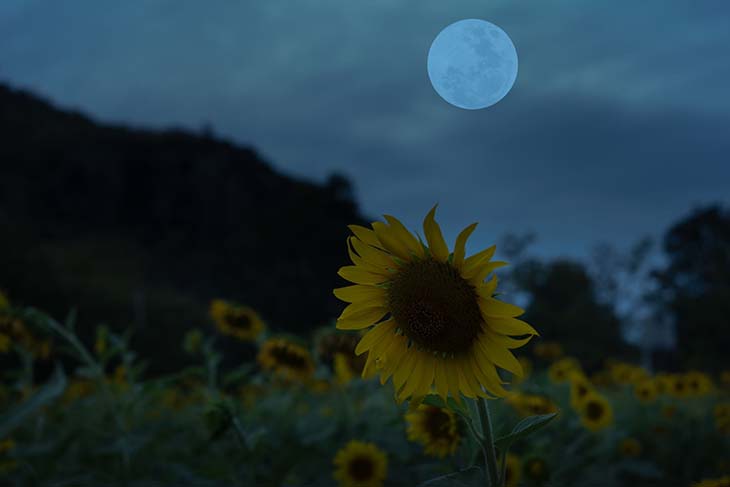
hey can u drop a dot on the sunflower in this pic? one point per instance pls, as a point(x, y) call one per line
point(663, 383)
point(722, 418)
point(698, 383)
point(719, 482)
point(436, 323)
point(580, 388)
point(512, 471)
point(646, 390)
point(7, 464)
point(531, 404)
point(287, 359)
point(536, 469)
point(596, 412)
point(526, 369)
point(548, 351)
point(345, 371)
point(360, 465)
point(240, 322)
point(629, 447)
point(678, 386)
point(437, 429)
point(562, 370)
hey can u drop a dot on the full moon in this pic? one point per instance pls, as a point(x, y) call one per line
point(472, 64)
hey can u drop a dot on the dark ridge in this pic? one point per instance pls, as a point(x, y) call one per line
point(143, 228)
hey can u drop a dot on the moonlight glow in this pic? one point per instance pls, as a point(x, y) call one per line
point(472, 64)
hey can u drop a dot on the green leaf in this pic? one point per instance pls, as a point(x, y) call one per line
point(524, 428)
point(46, 394)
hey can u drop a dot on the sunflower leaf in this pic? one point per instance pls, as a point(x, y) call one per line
point(522, 429)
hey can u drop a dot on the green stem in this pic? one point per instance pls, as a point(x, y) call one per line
point(490, 458)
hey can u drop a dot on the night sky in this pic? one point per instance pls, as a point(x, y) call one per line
point(618, 124)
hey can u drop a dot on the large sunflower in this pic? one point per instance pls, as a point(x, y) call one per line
point(436, 323)
point(240, 322)
point(360, 465)
point(437, 429)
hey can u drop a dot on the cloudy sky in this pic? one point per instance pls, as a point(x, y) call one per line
point(618, 124)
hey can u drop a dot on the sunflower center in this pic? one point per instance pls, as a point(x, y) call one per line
point(436, 307)
point(594, 410)
point(241, 321)
point(361, 468)
point(437, 423)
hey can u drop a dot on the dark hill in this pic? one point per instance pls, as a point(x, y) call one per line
point(143, 228)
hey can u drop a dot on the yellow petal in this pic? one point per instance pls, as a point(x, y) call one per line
point(359, 275)
point(442, 386)
point(361, 319)
point(464, 384)
point(460, 246)
point(498, 309)
point(485, 382)
point(506, 341)
point(390, 241)
point(359, 292)
point(365, 235)
point(404, 369)
point(371, 338)
point(491, 378)
point(360, 262)
point(500, 355)
point(478, 259)
point(420, 381)
point(391, 354)
point(402, 234)
point(436, 242)
point(373, 255)
point(452, 378)
point(510, 326)
point(483, 271)
point(487, 289)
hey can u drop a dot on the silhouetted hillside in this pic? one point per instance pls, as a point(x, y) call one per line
point(142, 227)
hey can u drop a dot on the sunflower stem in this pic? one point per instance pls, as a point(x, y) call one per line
point(490, 457)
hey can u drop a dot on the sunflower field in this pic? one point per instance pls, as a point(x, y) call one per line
point(477, 397)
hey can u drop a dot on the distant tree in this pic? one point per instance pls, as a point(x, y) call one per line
point(695, 286)
point(564, 307)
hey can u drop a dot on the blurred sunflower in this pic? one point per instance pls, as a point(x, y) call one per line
point(725, 378)
point(561, 370)
point(512, 471)
point(240, 322)
point(629, 448)
point(437, 324)
point(531, 404)
point(698, 383)
point(287, 359)
point(646, 390)
point(360, 465)
point(536, 469)
point(548, 350)
point(7, 464)
point(678, 386)
point(595, 412)
point(345, 367)
point(663, 383)
point(580, 388)
point(722, 417)
point(4, 303)
point(435, 428)
point(718, 482)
